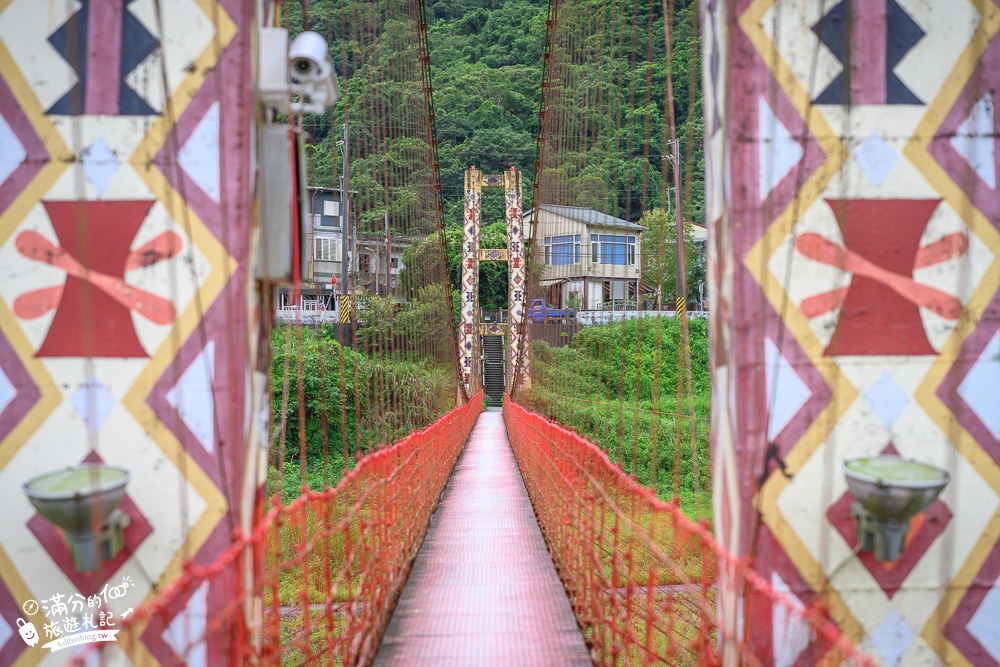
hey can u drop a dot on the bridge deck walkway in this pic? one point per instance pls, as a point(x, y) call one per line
point(483, 589)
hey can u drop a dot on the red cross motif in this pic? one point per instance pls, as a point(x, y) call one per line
point(93, 307)
point(879, 309)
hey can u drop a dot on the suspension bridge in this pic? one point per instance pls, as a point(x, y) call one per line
point(470, 459)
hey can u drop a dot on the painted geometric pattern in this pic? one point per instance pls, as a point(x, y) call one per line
point(862, 154)
point(468, 337)
point(120, 283)
point(517, 278)
point(727, 497)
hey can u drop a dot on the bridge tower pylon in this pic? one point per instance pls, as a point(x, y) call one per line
point(471, 326)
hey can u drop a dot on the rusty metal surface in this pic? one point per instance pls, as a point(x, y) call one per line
point(483, 590)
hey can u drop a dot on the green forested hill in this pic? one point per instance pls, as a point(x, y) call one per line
point(487, 68)
point(486, 64)
point(486, 59)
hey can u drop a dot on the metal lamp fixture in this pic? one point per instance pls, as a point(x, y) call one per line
point(888, 492)
point(83, 501)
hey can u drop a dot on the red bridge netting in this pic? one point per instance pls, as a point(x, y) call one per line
point(323, 572)
point(643, 577)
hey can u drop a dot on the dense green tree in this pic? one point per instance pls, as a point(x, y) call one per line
point(486, 63)
point(659, 256)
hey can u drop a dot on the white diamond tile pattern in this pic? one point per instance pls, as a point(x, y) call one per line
point(194, 400)
point(199, 157)
point(791, 633)
point(892, 638)
point(6, 632)
point(99, 164)
point(981, 387)
point(876, 158)
point(785, 389)
point(975, 141)
point(985, 624)
point(7, 393)
point(779, 151)
point(188, 627)
point(93, 402)
point(12, 151)
point(887, 399)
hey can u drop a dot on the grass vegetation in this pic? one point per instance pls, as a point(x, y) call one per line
point(614, 385)
point(673, 637)
point(352, 403)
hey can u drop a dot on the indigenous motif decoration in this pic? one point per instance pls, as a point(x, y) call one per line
point(470, 329)
point(519, 370)
point(492, 255)
point(124, 273)
point(855, 268)
point(468, 341)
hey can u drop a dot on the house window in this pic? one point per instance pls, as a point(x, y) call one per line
point(612, 249)
point(394, 263)
point(562, 250)
point(326, 250)
point(331, 214)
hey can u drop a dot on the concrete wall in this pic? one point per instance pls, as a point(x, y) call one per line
point(855, 266)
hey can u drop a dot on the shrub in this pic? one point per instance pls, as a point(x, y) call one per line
point(602, 386)
point(411, 394)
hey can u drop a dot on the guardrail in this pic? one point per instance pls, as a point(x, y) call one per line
point(642, 577)
point(591, 317)
point(321, 574)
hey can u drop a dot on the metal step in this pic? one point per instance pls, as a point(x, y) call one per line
point(494, 381)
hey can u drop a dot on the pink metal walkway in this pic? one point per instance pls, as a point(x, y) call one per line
point(483, 590)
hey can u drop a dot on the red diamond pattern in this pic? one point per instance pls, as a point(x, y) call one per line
point(925, 528)
point(89, 583)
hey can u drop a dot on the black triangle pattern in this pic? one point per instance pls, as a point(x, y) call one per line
point(902, 34)
point(70, 40)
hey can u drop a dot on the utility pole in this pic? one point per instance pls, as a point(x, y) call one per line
point(675, 160)
point(345, 225)
point(388, 257)
point(681, 276)
point(347, 209)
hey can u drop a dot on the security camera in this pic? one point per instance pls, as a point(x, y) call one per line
point(308, 58)
point(312, 75)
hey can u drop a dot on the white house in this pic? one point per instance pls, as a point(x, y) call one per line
point(325, 242)
point(592, 260)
